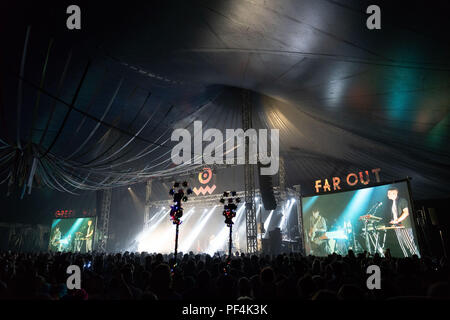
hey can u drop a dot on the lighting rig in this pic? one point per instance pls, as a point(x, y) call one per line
point(230, 204)
point(179, 192)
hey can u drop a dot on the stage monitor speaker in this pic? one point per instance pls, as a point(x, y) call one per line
point(266, 190)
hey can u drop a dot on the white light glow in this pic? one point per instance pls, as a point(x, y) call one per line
point(162, 243)
point(197, 229)
point(220, 239)
point(286, 213)
point(267, 222)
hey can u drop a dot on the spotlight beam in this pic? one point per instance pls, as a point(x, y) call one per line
point(156, 215)
point(194, 233)
point(267, 222)
point(189, 214)
point(257, 212)
point(220, 239)
point(142, 234)
point(149, 231)
point(137, 203)
point(286, 213)
point(154, 243)
point(160, 242)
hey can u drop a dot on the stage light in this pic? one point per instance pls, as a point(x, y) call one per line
point(129, 188)
point(256, 199)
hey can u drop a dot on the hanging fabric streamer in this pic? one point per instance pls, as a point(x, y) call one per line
point(32, 172)
point(19, 90)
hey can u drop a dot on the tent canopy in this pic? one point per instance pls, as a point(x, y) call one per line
point(97, 106)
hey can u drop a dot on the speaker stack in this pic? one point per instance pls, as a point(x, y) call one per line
point(266, 189)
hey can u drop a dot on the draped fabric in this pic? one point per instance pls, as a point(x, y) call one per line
point(96, 108)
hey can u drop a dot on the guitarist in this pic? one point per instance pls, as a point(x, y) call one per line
point(55, 242)
point(318, 227)
point(89, 236)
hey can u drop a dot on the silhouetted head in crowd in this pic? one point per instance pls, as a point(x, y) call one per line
point(244, 287)
point(203, 279)
point(324, 295)
point(350, 292)
point(267, 276)
point(288, 276)
point(161, 279)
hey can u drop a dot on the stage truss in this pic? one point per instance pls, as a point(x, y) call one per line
point(104, 220)
point(249, 178)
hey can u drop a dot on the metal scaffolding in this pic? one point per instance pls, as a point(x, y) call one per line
point(298, 196)
point(249, 178)
point(104, 220)
point(282, 179)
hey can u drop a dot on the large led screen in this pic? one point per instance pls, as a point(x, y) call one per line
point(72, 235)
point(373, 219)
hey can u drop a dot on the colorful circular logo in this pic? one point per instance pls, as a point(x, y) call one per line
point(205, 176)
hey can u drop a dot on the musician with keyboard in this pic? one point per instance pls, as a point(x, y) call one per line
point(317, 229)
point(400, 211)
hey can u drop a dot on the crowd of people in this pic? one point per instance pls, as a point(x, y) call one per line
point(201, 277)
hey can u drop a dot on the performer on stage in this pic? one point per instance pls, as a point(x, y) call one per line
point(56, 240)
point(89, 236)
point(400, 213)
point(318, 227)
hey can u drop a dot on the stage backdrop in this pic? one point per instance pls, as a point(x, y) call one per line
point(370, 219)
point(73, 234)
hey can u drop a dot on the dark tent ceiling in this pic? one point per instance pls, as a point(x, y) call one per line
point(344, 98)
